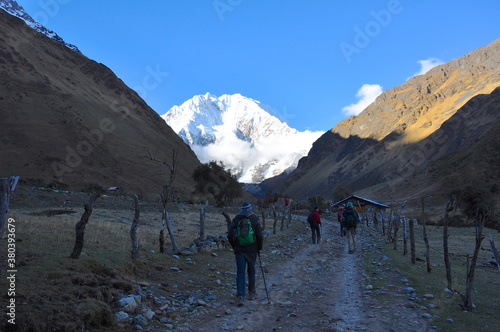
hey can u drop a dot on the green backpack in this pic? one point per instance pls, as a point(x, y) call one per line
point(350, 219)
point(245, 233)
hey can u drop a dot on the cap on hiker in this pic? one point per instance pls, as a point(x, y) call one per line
point(315, 208)
point(246, 206)
point(349, 204)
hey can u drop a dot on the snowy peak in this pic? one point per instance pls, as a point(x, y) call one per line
point(242, 133)
point(205, 119)
point(13, 8)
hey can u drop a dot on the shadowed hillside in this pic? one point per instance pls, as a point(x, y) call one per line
point(68, 119)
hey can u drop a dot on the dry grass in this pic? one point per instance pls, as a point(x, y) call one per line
point(486, 295)
point(55, 292)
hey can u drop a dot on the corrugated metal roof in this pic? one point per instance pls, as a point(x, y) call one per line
point(369, 201)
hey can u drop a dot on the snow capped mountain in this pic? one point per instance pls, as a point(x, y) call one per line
point(13, 8)
point(240, 132)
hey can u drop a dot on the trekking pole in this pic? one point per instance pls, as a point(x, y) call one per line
point(264, 278)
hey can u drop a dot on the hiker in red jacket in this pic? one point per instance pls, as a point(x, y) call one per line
point(314, 221)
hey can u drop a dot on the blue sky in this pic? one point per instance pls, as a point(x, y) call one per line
point(312, 61)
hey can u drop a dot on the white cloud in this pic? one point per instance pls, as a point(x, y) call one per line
point(366, 95)
point(277, 151)
point(426, 65)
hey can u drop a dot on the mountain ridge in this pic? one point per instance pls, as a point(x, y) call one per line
point(379, 149)
point(13, 8)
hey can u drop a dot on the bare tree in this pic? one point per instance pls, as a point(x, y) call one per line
point(480, 221)
point(133, 228)
point(169, 169)
point(449, 208)
point(426, 240)
point(7, 186)
point(80, 226)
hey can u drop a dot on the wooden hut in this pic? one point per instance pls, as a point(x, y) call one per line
point(360, 204)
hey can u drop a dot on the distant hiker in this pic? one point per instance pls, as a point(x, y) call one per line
point(339, 218)
point(314, 221)
point(350, 219)
point(245, 236)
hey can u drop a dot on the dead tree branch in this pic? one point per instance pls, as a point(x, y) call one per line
point(170, 169)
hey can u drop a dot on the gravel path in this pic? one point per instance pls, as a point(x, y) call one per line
point(319, 288)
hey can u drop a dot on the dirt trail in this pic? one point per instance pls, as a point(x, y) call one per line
point(320, 288)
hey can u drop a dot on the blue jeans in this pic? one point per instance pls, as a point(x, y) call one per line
point(245, 260)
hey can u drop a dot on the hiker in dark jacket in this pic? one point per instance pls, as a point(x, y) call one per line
point(349, 224)
point(315, 226)
point(246, 256)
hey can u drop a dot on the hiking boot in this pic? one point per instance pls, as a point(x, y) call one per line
point(252, 296)
point(240, 300)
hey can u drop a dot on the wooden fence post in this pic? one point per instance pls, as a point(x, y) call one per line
point(449, 207)
point(383, 223)
point(389, 227)
point(412, 241)
point(7, 186)
point(426, 240)
point(495, 252)
point(405, 238)
point(133, 228)
point(275, 219)
point(396, 227)
point(228, 219)
point(470, 273)
point(203, 210)
point(80, 226)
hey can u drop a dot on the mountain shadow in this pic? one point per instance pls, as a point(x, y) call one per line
point(463, 150)
point(69, 120)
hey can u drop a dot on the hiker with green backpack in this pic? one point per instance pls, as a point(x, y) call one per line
point(245, 236)
point(350, 219)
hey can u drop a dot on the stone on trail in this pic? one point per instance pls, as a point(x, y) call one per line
point(121, 316)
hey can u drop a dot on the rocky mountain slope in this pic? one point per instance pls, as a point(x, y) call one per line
point(13, 8)
point(411, 132)
point(67, 119)
point(242, 133)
